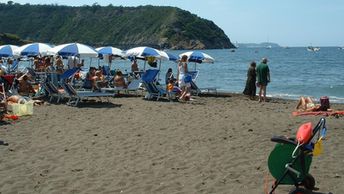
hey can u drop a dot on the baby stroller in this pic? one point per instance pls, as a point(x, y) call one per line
point(289, 162)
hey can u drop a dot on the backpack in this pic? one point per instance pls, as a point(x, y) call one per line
point(324, 103)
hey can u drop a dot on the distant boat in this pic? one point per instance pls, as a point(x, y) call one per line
point(313, 49)
point(269, 47)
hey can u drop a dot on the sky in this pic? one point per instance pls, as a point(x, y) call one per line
point(285, 22)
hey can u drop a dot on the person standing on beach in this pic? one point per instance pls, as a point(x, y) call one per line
point(263, 74)
point(250, 88)
point(182, 73)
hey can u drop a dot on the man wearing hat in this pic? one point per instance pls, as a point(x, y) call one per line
point(263, 76)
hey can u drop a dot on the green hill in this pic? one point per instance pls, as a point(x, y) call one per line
point(124, 27)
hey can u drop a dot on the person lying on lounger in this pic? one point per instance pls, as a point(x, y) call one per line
point(306, 104)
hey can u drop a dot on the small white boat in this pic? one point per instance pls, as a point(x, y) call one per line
point(313, 49)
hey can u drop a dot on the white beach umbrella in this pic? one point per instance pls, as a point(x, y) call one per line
point(109, 50)
point(33, 49)
point(74, 49)
point(7, 50)
point(144, 52)
point(198, 57)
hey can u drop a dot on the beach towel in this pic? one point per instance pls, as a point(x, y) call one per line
point(319, 113)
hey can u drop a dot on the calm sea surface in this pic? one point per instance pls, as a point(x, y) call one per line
point(294, 72)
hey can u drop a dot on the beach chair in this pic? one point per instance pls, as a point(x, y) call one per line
point(3, 101)
point(195, 89)
point(14, 66)
point(134, 86)
point(76, 96)
point(289, 162)
point(149, 80)
point(53, 91)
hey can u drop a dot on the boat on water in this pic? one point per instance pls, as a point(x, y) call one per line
point(313, 49)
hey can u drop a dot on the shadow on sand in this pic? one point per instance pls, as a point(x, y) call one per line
point(97, 104)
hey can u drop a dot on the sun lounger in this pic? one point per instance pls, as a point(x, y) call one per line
point(53, 91)
point(153, 90)
point(133, 86)
point(195, 89)
point(76, 96)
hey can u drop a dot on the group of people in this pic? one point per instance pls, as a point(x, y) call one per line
point(182, 84)
point(257, 76)
point(95, 79)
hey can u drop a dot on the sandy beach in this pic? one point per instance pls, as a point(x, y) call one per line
point(130, 145)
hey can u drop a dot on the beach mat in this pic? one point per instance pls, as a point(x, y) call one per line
point(319, 113)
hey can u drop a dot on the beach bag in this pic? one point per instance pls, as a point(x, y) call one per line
point(188, 79)
point(21, 109)
point(324, 103)
point(304, 133)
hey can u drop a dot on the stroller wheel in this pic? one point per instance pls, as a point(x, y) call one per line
point(298, 190)
point(309, 182)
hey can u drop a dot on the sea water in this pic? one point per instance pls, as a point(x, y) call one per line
point(294, 71)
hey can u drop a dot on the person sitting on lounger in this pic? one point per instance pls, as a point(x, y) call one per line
point(119, 80)
point(101, 81)
point(25, 86)
point(306, 104)
point(91, 79)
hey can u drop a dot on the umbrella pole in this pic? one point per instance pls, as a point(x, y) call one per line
point(144, 66)
point(90, 61)
point(159, 69)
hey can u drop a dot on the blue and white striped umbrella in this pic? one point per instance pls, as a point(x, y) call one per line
point(73, 49)
point(109, 50)
point(198, 57)
point(7, 50)
point(168, 56)
point(33, 49)
point(144, 52)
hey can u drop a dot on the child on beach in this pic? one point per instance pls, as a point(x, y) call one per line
point(172, 90)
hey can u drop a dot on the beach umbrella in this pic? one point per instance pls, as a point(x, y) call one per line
point(143, 52)
point(168, 56)
point(109, 50)
point(73, 49)
point(198, 57)
point(7, 50)
point(147, 52)
point(33, 49)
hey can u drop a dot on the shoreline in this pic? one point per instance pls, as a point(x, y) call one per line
point(130, 145)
